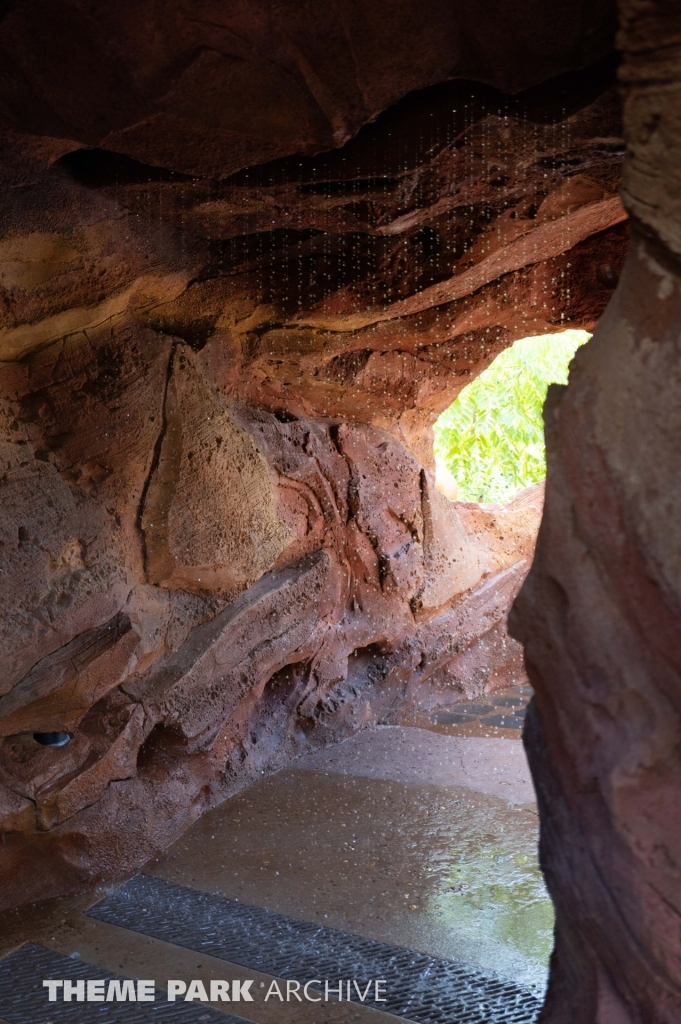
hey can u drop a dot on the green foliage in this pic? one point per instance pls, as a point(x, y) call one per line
point(492, 437)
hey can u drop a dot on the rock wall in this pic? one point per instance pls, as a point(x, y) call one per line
point(220, 538)
point(600, 612)
point(259, 585)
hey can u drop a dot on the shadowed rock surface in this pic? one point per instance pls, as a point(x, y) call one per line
point(205, 88)
point(599, 614)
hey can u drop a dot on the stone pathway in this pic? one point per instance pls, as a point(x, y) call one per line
point(498, 715)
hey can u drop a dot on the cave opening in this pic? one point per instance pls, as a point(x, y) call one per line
point(489, 443)
point(269, 674)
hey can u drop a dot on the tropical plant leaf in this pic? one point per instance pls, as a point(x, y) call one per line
point(492, 437)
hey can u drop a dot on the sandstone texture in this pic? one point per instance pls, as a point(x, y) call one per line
point(229, 316)
point(599, 614)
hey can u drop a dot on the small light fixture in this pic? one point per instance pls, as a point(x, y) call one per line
point(51, 739)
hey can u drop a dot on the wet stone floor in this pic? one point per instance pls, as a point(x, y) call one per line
point(500, 714)
point(421, 837)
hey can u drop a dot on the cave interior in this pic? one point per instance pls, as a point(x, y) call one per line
point(253, 253)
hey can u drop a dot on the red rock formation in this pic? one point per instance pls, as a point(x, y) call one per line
point(220, 534)
point(207, 88)
point(599, 614)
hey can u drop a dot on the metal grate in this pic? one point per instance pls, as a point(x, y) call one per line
point(23, 1000)
point(418, 987)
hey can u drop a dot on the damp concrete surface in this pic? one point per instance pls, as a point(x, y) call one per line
point(415, 836)
point(398, 834)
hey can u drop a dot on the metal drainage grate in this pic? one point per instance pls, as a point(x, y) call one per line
point(418, 987)
point(23, 1000)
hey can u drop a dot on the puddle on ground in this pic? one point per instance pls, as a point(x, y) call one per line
point(500, 890)
point(441, 869)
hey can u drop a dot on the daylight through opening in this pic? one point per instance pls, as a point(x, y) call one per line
point(489, 444)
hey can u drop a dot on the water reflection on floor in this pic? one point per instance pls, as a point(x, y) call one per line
point(500, 891)
point(411, 836)
point(380, 837)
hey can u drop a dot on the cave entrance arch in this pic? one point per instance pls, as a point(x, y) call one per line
point(173, 319)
